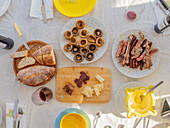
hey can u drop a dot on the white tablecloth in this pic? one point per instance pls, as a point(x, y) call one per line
point(111, 13)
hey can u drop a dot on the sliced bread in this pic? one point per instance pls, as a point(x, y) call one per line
point(26, 61)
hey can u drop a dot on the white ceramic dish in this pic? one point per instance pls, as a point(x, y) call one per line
point(120, 97)
point(91, 24)
point(135, 73)
point(4, 6)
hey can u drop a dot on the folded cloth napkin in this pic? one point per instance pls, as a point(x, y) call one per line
point(160, 16)
point(36, 9)
point(9, 115)
point(114, 121)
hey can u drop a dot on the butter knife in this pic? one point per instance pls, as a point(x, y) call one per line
point(43, 12)
point(19, 33)
point(15, 112)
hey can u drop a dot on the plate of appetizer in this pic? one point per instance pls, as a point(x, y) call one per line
point(128, 101)
point(84, 40)
point(136, 53)
point(36, 66)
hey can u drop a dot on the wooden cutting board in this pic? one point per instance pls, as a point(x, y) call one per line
point(69, 74)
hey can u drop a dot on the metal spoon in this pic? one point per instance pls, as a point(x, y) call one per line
point(98, 115)
point(142, 96)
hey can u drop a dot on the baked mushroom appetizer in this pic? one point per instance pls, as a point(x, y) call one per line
point(68, 35)
point(83, 33)
point(83, 43)
point(91, 38)
point(75, 31)
point(80, 24)
point(100, 41)
point(75, 49)
point(68, 47)
point(78, 58)
point(73, 41)
point(89, 56)
point(92, 47)
point(98, 33)
point(84, 51)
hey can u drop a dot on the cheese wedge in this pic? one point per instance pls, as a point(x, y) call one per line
point(98, 88)
point(87, 91)
point(99, 78)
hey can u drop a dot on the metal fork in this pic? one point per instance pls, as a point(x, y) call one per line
point(20, 114)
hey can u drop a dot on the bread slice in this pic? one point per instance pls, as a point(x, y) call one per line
point(45, 55)
point(19, 54)
point(48, 55)
point(25, 62)
point(35, 75)
point(38, 56)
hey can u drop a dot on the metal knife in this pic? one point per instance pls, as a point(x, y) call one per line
point(43, 12)
point(15, 112)
point(19, 33)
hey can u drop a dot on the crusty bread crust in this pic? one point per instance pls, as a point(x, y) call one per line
point(19, 54)
point(45, 55)
point(35, 75)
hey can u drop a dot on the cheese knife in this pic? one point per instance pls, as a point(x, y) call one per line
point(43, 12)
point(15, 112)
point(19, 33)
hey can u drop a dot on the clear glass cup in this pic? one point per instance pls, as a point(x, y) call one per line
point(134, 10)
point(41, 96)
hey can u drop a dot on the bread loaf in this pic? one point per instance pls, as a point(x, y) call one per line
point(35, 75)
point(19, 54)
point(25, 62)
point(38, 56)
point(45, 55)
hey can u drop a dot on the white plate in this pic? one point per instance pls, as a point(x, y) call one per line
point(0, 116)
point(120, 97)
point(91, 24)
point(4, 6)
point(135, 73)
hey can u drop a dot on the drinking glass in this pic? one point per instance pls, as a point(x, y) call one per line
point(134, 10)
point(41, 96)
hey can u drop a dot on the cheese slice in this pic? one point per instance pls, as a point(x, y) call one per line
point(98, 88)
point(87, 91)
point(99, 78)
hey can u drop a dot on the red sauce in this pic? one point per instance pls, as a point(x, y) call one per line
point(131, 15)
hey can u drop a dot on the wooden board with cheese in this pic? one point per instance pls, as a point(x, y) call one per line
point(69, 74)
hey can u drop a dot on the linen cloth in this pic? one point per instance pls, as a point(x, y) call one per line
point(9, 116)
point(35, 10)
point(111, 14)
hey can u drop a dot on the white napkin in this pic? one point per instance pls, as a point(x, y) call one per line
point(160, 16)
point(9, 116)
point(114, 122)
point(36, 9)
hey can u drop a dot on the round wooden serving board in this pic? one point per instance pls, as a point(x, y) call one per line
point(33, 45)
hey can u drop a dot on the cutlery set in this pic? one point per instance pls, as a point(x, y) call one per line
point(17, 114)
